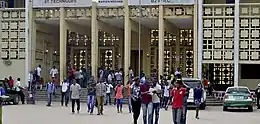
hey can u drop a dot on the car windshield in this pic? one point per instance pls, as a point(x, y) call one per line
point(193, 84)
point(238, 90)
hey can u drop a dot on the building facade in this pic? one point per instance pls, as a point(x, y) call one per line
point(217, 40)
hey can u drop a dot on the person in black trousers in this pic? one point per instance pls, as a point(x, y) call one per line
point(75, 95)
point(136, 100)
point(257, 93)
point(65, 92)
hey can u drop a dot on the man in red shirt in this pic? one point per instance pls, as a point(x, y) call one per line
point(11, 82)
point(146, 100)
point(177, 95)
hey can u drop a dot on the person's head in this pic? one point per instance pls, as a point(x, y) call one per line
point(18, 79)
point(129, 68)
point(74, 81)
point(136, 81)
point(178, 69)
point(6, 79)
point(53, 67)
point(10, 78)
point(178, 84)
point(53, 79)
point(166, 83)
point(39, 66)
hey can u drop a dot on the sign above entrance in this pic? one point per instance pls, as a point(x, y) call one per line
point(110, 3)
point(161, 2)
point(61, 3)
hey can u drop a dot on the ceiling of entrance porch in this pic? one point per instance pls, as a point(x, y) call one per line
point(118, 23)
point(182, 23)
point(151, 23)
point(49, 22)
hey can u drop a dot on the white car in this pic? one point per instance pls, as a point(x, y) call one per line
point(193, 83)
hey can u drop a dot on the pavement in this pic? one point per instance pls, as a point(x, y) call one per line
point(40, 114)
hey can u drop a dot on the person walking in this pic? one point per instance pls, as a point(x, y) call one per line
point(109, 87)
point(91, 94)
point(198, 92)
point(100, 92)
point(119, 97)
point(19, 89)
point(136, 99)
point(257, 93)
point(185, 105)
point(166, 95)
point(75, 95)
point(65, 92)
point(54, 72)
point(147, 104)
point(177, 95)
point(155, 91)
point(128, 90)
point(50, 88)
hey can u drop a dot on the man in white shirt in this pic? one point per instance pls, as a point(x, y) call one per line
point(65, 92)
point(54, 72)
point(18, 87)
point(75, 95)
point(38, 73)
point(155, 91)
point(108, 93)
point(166, 95)
point(118, 75)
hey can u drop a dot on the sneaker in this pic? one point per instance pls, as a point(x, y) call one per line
point(121, 111)
point(101, 113)
point(118, 111)
point(98, 114)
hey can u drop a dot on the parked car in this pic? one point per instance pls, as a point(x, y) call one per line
point(238, 97)
point(193, 83)
point(13, 95)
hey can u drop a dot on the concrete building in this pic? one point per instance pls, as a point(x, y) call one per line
point(215, 39)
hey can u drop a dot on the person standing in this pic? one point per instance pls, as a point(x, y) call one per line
point(178, 73)
point(18, 88)
point(11, 82)
point(198, 92)
point(128, 90)
point(65, 92)
point(185, 105)
point(155, 91)
point(166, 95)
point(119, 76)
point(75, 95)
point(100, 92)
point(54, 72)
point(50, 88)
point(177, 95)
point(91, 94)
point(257, 93)
point(147, 104)
point(108, 93)
point(77, 76)
point(119, 97)
point(136, 99)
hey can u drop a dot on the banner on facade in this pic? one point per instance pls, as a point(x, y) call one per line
point(61, 3)
point(110, 3)
point(161, 2)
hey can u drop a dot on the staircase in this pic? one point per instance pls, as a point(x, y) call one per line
point(211, 101)
point(41, 96)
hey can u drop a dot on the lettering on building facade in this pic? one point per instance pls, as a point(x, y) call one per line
point(160, 1)
point(60, 1)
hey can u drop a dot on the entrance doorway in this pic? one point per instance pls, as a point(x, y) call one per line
point(135, 61)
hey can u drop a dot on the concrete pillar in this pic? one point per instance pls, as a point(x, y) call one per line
point(63, 44)
point(195, 41)
point(127, 41)
point(161, 41)
point(145, 45)
point(177, 48)
point(94, 41)
point(236, 44)
point(200, 37)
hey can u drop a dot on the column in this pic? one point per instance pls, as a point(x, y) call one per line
point(30, 37)
point(94, 41)
point(127, 42)
point(195, 40)
point(161, 41)
point(63, 44)
point(236, 44)
point(177, 48)
point(200, 38)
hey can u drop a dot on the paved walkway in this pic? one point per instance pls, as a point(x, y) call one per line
point(40, 114)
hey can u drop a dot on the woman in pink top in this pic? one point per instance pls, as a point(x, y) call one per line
point(119, 96)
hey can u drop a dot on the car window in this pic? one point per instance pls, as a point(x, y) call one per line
point(192, 84)
point(3, 84)
point(238, 90)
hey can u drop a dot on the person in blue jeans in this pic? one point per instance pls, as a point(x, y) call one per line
point(198, 93)
point(146, 100)
point(185, 106)
point(91, 94)
point(50, 88)
point(155, 91)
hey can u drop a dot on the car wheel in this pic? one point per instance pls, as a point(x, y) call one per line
point(250, 109)
point(225, 108)
point(16, 100)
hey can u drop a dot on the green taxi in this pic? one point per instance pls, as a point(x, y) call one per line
point(238, 97)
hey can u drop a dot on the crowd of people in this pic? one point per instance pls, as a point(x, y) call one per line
point(143, 92)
